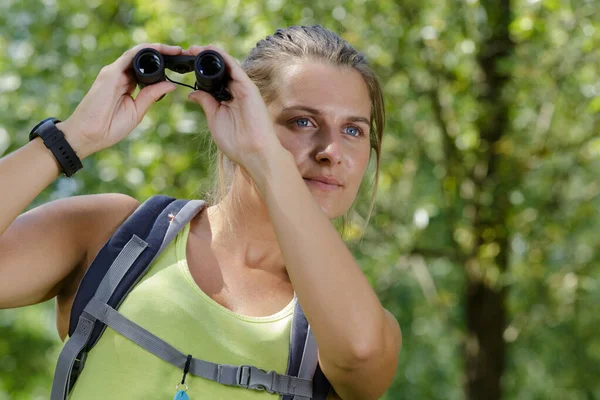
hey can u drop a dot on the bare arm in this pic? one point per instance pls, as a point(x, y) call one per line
point(359, 341)
point(40, 249)
point(24, 174)
point(44, 247)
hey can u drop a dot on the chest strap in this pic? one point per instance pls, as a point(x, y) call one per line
point(244, 376)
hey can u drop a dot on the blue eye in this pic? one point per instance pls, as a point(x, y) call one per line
point(303, 122)
point(352, 131)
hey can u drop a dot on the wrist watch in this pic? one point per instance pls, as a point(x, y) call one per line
point(55, 140)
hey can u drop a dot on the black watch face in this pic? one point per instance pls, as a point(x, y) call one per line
point(33, 134)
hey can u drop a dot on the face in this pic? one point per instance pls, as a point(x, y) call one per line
point(321, 116)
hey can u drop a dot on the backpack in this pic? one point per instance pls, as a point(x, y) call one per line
point(116, 270)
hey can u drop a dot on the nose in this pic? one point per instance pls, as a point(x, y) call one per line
point(329, 147)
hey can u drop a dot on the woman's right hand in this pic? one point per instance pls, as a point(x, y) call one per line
point(108, 113)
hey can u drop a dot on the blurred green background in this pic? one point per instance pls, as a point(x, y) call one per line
point(484, 242)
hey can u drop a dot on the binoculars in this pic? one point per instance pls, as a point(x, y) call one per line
point(211, 73)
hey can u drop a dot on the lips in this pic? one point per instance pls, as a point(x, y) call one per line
point(323, 182)
point(325, 179)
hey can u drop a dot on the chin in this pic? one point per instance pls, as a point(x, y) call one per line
point(330, 205)
point(328, 211)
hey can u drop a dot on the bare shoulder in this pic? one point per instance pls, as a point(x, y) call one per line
point(104, 211)
point(80, 213)
point(101, 215)
point(44, 250)
point(98, 217)
point(95, 218)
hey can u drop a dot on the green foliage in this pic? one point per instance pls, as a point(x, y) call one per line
point(442, 173)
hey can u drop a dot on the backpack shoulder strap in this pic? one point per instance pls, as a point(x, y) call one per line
point(120, 264)
point(303, 359)
point(140, 223)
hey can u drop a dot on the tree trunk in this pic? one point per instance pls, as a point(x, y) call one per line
point(485, 350)
point(485, 299)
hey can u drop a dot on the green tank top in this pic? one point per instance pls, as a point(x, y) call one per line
point(168, 303)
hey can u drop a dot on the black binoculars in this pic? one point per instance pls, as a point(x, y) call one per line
point(211, 73)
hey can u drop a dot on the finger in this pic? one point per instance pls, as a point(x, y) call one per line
point(195, 50)
point(124, 62)
point(208, 103)
point(131, 81)
point(149, 95)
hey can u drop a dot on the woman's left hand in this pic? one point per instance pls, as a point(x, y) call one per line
point(241, 127)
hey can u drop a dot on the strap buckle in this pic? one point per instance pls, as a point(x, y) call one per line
point(250, 377)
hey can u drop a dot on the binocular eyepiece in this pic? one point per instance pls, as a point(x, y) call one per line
point(211, 73)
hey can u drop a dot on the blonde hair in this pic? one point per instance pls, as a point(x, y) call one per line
point(298, 43)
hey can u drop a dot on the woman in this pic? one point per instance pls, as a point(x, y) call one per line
point(306, 113)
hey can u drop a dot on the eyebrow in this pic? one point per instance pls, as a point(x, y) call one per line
point(318, 112)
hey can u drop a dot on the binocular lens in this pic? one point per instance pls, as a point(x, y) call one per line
point(148, 63)
point(211, 75)
point(209, 65)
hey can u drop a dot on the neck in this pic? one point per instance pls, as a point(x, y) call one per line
point(241, 228)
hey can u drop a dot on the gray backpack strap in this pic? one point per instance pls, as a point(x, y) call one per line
point(118, 269)
point(310, 359)
point(68, 357)
point(244, 376)
point(80, 338)
point(303, 360)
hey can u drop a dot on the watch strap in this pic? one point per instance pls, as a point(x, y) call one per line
point(54, 139)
